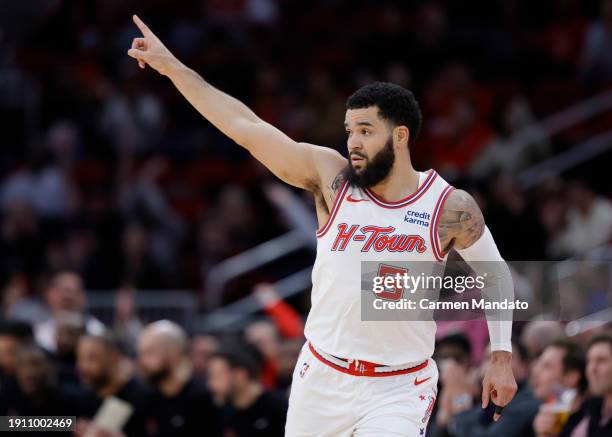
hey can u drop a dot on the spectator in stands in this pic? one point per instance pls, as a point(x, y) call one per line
point(288, 354)
point(139, 266)
point(559, 369)
point(538, 334)
point(458, 381)
point(509, 208)
point(594, 419)
point(287, 320)
point(454, 347)
point(20, 235)
point(18, 304)
point(64, 294)
point(516, 420)
point(12, 336)
point(127, 326)
point(596, 52)
point(279, 341)
point(181, 404)
point(251, 410)
point(35, 392)
point(104, 368)
point(70, 326)
point(263, 334)
point(202, 348)
point(508, 118)
point(589, 222)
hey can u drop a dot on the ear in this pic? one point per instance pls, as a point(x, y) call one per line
point(401, 136)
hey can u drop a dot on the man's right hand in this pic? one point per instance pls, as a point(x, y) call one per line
point(149, 50)
point(545, 421)
point(299, 164)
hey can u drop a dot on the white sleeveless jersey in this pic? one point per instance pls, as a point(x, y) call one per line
point(363, 227)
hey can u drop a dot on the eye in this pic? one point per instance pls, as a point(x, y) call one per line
point(365, 132)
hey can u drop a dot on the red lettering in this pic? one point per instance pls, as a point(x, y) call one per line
point(415, 242)
point(343, 237)
point(376, 231)
point(378, 238)
point(396, 242)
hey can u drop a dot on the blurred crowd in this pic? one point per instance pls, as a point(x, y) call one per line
point(177, 383)
point(63, 361)
point(106, 170)
point(564, 386)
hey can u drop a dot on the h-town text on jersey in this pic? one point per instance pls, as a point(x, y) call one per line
point(379, 238)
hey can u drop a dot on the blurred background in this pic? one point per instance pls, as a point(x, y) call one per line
point(121, 206)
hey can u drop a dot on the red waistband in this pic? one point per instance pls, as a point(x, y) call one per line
point(365, 368)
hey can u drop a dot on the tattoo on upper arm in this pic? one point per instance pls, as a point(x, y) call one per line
point(335, 186)
point(461, 221)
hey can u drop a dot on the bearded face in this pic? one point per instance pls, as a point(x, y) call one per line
point(374, 170)
point(156, 376)
point(93, 363)
point(154, 359)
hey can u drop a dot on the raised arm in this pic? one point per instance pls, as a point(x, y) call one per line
point(300, 164)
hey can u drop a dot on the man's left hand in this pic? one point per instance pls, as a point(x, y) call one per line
point(499, 385)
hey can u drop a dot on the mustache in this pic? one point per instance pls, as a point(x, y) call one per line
point(361, 155)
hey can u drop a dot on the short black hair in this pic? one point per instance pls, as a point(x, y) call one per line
point(573, 359)
point(395, 104)
point(242, 356)
point(22, 331)
point(604, 337)
point(460, 341)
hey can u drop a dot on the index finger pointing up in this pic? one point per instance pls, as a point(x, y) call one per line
point(143, 27)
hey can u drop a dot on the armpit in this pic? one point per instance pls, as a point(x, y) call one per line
point(461, 221)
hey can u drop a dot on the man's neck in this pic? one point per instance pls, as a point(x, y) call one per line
point(403, 180)
point(247, 397)
point(175, 382)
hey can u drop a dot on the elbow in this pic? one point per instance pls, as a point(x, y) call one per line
point(244, 134)
point(242, 142)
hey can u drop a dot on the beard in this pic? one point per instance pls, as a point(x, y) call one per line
point(158, 375)
point(98, 382)
point(376, 169)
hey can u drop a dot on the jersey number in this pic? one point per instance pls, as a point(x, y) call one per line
point(395, 292)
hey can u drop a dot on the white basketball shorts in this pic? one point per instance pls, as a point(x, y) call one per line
point(334, 397)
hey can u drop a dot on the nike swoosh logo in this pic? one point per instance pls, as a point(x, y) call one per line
point(349, 198)
point(417, 382)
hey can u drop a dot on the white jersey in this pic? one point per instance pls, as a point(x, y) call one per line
point(363, 227)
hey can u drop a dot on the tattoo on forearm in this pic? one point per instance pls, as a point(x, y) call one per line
point(461, 221)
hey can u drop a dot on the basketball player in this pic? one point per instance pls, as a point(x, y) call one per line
point(355, 377)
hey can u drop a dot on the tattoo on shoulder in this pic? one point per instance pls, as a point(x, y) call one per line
point(461, 221)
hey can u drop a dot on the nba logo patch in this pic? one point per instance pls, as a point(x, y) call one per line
point(305, 368)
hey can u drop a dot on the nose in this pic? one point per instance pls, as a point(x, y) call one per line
point(354, 144)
